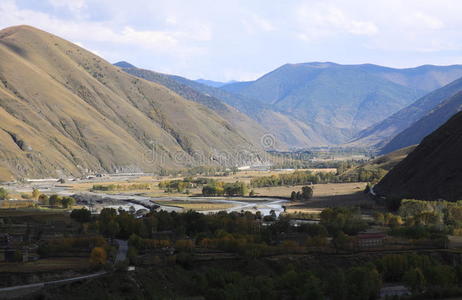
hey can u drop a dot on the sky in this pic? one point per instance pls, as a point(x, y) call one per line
point(244, 39)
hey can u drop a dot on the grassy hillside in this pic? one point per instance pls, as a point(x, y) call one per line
point(433, 170)
point(65, 110)
point(377, 167)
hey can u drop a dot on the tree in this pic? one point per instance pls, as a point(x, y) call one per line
point(293, 196)
point(363, 283)
point(81, 215)
point(68, 202)
point(415, 280)
point(4, 194)
point(54, 200)
point(43, 199)
point(98, 256)
point(112, 229)
point(341, 241)
point(307, 193)
point(35, 194)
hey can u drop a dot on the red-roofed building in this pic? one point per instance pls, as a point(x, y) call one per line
point(371, 240)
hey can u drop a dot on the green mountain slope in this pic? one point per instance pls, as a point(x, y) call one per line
point(65, 110)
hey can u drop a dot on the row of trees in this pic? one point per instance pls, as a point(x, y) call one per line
point(304, 195)
point(295, 178)
point(56, 201)
point(226, 189)
point(121, 187)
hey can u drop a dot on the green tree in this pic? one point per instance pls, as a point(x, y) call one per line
point(415, 280)
point(363, 283)
point(54, 200)
point(341, 241)
point(67, 202)
point(81, 215)
point(293, 196)
point(307, 193)
point(4, 194)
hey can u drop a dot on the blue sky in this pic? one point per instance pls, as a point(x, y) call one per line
point(242, 40)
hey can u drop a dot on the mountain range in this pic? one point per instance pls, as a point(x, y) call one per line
point(64, 110)
point(339, 101)
point(317, 104)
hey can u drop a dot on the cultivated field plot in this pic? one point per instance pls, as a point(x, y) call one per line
point(325, 195)
point(196, 205)
point(47, 264)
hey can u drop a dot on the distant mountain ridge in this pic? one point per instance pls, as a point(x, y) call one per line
point(124, 64)
point(287, 131)
point(415, 133)
point(213, 83)
point(338, 101)
point(384, 132)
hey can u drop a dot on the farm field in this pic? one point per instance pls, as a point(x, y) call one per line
point(198, 206)
point(47, 264)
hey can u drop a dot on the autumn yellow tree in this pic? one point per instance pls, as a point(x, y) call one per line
point(35, 194)
point(98, 256)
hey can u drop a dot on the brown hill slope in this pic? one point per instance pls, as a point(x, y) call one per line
point(433, 170)
point(246, 126)
point(252, 117)
point(64, 109)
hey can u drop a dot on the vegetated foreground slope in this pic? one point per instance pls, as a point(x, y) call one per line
point(338, 101)
point(63, 109)
point(377, 167)
point(383, 132)
point(287, 131)
point(433, 170)
point(426, 125)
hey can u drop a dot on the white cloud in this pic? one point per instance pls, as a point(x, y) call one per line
point(425, 21)
point(242, 39)
point(73, 5)
point(255, 24)
point(160, 41)
point(323, 20)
